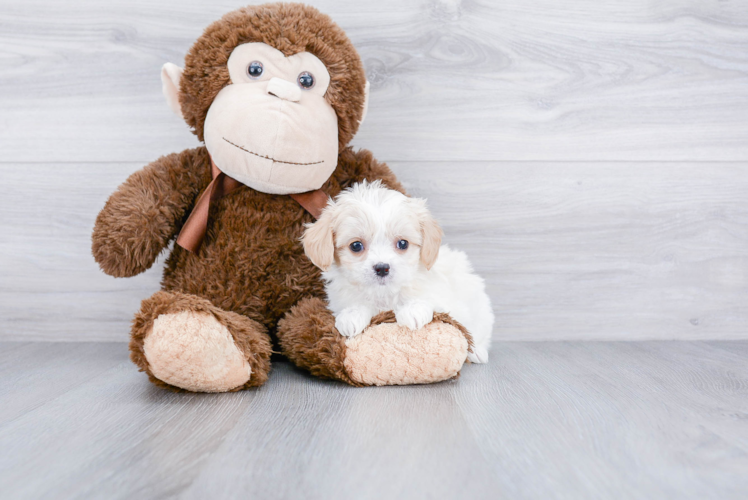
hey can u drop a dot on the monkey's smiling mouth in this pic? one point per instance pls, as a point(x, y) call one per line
point(273, 159)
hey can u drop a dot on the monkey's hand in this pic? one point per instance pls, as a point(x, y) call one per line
point(146, 212)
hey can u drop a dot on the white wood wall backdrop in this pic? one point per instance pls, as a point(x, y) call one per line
point(592, 157)
point(475, 80)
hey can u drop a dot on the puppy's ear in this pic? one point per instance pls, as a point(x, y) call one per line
point(318, 241)
point(432, 234)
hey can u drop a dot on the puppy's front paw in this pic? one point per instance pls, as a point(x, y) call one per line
point(415, 315)
point(352, 321)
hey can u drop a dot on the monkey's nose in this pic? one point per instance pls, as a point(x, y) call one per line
point(284, 89)
point(382, 269)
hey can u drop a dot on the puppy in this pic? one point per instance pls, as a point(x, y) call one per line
point(380, 251)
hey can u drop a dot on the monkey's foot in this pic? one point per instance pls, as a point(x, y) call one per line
point(184, 342)
point(385, 353)
point(390, 354)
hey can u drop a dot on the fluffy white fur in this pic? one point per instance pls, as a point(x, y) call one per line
point(424, 278)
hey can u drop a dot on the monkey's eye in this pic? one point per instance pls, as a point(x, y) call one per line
point(402, 244)
point(306, 80)
point(254, 70)
point(356, 247)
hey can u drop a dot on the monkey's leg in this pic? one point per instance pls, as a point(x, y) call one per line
point(184, 342)
point(383, 354)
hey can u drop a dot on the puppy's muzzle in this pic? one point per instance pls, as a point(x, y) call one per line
point(382, 269)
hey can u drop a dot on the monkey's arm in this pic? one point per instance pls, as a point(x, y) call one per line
point(355, 167)
point(147, 211)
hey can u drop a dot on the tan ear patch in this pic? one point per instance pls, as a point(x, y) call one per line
point(432, 238)
point(319, 242)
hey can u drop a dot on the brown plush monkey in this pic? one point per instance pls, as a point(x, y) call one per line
point(276, 92)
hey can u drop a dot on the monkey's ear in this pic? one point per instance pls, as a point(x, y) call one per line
point(319, 242)
point(366, 103)
point(170, 76)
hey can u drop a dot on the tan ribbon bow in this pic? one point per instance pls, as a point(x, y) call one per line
point(193, 232)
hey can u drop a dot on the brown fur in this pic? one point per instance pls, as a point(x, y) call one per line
point(308, 336)
point(145, 212)
point(252, 261)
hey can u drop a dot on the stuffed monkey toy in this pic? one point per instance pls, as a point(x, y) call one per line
point(275, 92)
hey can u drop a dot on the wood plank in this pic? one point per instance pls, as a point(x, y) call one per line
point(569, 251)
point(451, 80)
point(613, 420)
point(600, 251)
point(543, 419)
point(51, 287)
point(48, 371)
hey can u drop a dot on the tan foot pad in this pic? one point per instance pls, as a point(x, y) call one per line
point(389, 354)
point(195, 352)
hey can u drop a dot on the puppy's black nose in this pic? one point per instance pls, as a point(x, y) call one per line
point(382, 269)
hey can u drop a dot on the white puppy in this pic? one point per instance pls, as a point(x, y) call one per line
point(380, 251)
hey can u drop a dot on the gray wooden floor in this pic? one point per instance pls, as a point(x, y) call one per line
point(543, 420)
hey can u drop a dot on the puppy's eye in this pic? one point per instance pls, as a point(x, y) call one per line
point(306, 80)
point(402, 244)
point(356, 247)
point(254, 70)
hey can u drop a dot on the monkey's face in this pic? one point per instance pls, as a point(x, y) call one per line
point(271, 127)
point(274, 91)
